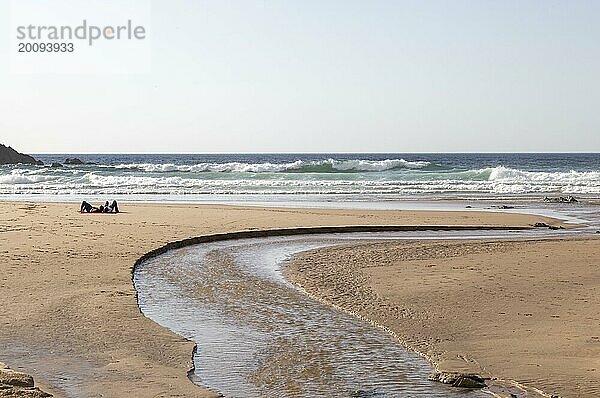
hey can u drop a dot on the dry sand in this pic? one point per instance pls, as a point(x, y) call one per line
point(69, 314)
point(526, 310)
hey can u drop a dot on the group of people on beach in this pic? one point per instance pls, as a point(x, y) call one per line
point(105, 208)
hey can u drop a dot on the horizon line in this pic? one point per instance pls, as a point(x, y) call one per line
point(310, 153)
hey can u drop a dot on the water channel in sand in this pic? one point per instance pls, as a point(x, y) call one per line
point(257, 335)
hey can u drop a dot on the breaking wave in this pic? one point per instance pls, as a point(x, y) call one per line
point(299, 166)
point(382, 177)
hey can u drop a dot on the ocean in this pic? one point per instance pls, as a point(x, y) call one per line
point(250, 177)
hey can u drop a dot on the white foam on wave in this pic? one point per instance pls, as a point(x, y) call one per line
point(267, 167)
point(19, 176)
point(502, 173)
point(506, 179)
point(497, 180)
point(231, 167)
point(376, 165)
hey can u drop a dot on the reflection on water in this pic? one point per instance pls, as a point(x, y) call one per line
point(259, 336)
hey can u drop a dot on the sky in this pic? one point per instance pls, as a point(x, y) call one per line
point(313, 76)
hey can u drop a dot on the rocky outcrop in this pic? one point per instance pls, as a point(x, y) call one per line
point(74, 161)
point(22, 392)
point(459, 379)
point(16, 379)
point(560, 199)
point(504, 207)
point(541, 225)
point(18, 384)
point(544, 225)
point(10, 156)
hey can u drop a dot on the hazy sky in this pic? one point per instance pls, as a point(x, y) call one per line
point(327, 76)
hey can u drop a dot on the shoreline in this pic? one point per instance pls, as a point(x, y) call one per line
point(448, 354)
point(76, 329)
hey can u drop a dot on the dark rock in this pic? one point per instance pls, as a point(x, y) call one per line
point(10, 156)
point(365, 394)
point(468, 380)
point(544, 225)
point(472, 381)
point(502, 207)
point(56, 165)
point(468, 207)
point(15, 379)
point(28, 392)
point(561, 199)
point(17, 384)
point(598, 232)
point(73, 161)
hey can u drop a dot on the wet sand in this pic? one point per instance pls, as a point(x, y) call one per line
point(526, 310)
point(69, 311)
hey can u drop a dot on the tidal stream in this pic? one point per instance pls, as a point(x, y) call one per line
point(257, 335)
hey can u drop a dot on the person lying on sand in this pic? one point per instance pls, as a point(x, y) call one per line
point(106, 208)
point(112, 208)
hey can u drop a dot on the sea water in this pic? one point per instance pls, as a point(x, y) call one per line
point(320, 177)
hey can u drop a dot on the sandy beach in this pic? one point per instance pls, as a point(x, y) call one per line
point(70, 317)
point(524, 311)
point(299, 199)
